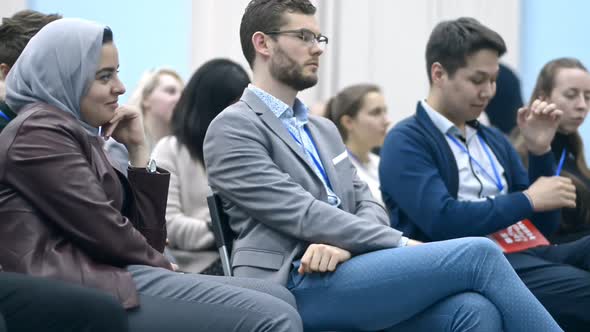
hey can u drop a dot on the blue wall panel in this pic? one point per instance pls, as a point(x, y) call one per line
point(148, 33)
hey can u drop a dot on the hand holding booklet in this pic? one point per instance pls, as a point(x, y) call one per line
point(524, 234)
point(521, 236)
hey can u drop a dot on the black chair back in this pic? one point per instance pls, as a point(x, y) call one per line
point(221, 230)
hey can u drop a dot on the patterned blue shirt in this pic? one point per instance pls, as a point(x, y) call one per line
point(294, 119)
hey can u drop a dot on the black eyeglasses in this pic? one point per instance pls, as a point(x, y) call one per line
point(307, 36)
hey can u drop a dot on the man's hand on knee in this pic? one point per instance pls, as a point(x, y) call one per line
point(322, 258)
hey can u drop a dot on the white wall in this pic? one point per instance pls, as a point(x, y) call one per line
point(384, 42)
point(216, 30)
point(554, 29)
point(378, 41)
point(9, 7)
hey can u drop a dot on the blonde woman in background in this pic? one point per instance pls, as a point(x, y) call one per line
point(360, 113)
point(155, 96)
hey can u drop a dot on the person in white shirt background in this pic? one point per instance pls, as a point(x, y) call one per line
point(360, 113)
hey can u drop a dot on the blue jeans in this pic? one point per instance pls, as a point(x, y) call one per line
point(458, 285)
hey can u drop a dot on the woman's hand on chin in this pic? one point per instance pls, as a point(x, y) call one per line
point(126, 126)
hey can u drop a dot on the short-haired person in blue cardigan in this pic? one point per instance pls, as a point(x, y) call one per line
point(445, 176)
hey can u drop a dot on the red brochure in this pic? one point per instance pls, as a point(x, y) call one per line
point(521, 236)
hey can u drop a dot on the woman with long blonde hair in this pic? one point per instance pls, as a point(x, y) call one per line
point(155, 97)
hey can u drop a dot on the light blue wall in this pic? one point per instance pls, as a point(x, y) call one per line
point(148, 33)
point(552, 29)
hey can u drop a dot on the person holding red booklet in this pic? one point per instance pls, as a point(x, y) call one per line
point(443, 175)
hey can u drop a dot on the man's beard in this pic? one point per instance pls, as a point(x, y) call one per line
point(287, 71)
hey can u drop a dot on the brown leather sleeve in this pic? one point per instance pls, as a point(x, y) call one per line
point(48, 164)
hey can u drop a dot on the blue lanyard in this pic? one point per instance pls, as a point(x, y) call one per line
point(4, 116)
point(561, 160)
point(496, 177)
point(315, 161)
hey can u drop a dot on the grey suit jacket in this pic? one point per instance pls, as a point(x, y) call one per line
point(277, 205)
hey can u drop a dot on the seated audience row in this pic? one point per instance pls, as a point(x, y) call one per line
point(304, 219)
point(564, 82)
point(295, 191)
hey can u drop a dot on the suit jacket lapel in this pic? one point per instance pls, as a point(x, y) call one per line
point(274, 124)
point(323, 148)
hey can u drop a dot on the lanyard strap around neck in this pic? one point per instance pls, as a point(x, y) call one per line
point(317, 163)
point(496, 178)
point(4, 116)
point(561, 160)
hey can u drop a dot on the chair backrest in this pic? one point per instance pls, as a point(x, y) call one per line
point(224, 236)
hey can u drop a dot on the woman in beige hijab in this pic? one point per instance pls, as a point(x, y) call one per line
point(67, 214)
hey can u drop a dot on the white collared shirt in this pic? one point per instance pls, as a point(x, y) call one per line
point(369, 172)
point(294, 119)
point(474, 183)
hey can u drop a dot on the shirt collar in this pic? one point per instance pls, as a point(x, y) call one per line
point(444, 125)
point(279, 108)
